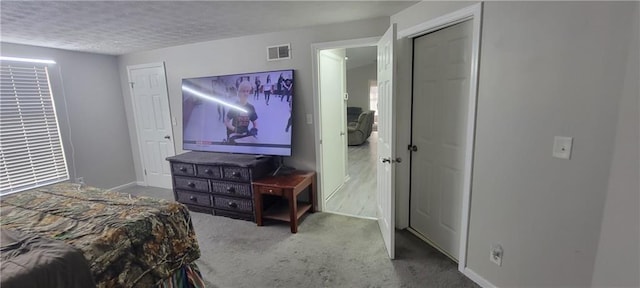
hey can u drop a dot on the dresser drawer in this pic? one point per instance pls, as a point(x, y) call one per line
point(233, 204)
point(231, 188)
point(236, 174)
point(208, 171)
point(269, 190)
point(235, 215)
point(199, 209)
point(182, 169)
point(194, 198)
point(189, 183)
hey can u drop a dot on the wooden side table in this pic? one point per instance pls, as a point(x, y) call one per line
point(288, 186)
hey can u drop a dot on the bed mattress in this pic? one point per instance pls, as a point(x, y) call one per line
point(127, 241)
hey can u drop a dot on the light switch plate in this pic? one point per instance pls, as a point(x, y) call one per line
point(309, 119)
point(562, 147)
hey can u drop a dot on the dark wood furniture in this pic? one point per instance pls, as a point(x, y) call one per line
point(288, 186)
point(218, 183)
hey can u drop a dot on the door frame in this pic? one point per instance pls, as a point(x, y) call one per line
point(474, 13)
point(317, 117)
point(135, 113)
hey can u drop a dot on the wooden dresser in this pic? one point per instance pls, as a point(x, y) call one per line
point(218, 183)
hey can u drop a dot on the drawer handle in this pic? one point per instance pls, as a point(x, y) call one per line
point(208, 171)
point(193, 198)
point(231, 189)
point(191, 184)
point(236, 174)
point(270, 190)
point(233, 205)
point(183, 169)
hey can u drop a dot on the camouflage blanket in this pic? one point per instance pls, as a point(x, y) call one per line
point(128, 241)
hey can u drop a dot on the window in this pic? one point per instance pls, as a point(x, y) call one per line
point(373, 95)
point(31, 153)
point(373, 102)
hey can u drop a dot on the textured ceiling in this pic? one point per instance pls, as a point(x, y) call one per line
point(129, 26)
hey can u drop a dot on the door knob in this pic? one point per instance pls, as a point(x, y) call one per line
point(167, 137)
point(341, 133)
point(386, 160)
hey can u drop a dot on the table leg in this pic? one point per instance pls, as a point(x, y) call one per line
point(293, 211)
point(257, 199)
point(312, 196)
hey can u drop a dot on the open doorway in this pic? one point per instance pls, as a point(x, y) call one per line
point(386, 140)
point(346, 77)
point(357, 195)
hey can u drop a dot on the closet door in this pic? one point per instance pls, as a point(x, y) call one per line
point(441, 74)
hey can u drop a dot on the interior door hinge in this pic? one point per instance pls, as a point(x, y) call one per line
point(145, 171)
point(131, 84)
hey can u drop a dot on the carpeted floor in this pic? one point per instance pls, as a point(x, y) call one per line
point(328, 251)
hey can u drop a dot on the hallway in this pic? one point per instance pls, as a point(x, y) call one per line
point(358, 195)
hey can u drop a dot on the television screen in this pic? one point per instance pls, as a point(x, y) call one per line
point(244, 113)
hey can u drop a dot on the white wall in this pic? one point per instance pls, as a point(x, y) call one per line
point(97, 124)
point(358, 79)
point(617, 261)
point(546, 69)
point(248, 54)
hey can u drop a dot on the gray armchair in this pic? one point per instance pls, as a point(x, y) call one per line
point(360, 131)
point(353, 113)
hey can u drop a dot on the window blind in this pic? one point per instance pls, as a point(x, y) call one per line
point(31, 153)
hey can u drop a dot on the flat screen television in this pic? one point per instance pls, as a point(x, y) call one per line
point(246, 113)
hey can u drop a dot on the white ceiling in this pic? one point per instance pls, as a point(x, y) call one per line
point(129, 26)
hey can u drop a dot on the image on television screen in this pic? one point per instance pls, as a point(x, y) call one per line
point(244, 113)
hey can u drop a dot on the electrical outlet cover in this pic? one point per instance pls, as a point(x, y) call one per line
point(495, 254)
point(562, 147)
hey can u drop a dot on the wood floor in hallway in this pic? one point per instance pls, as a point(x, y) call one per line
point(358, 195)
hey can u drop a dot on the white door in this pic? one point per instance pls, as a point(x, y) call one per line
point(386, 139)
point(153, 122)
point(332, 109)
point(440, 105)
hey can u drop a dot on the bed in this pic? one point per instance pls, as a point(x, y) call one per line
point(126, 241)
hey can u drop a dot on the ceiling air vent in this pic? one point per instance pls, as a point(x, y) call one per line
point(279, 52)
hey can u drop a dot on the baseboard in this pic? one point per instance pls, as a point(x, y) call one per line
point(141, 183)
point(123, 186)
point(349, 215)
point(477, 278)
point(334, 192)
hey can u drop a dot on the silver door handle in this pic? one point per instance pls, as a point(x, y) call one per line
point(389, 160)
point(341, 133)
point(167, 137)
